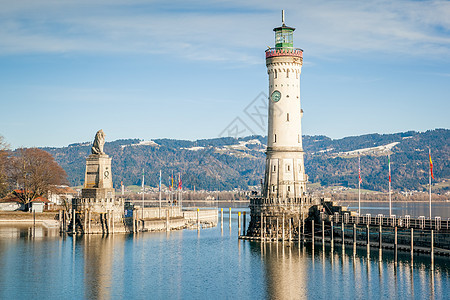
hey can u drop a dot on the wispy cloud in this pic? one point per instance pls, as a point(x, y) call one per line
point(223, 30)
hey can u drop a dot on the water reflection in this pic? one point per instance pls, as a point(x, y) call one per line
point(290, 273)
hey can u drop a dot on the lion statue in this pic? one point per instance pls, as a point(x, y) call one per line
point(99, 141)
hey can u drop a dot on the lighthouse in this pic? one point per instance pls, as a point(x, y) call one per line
point(285, 178)
point(283, 204)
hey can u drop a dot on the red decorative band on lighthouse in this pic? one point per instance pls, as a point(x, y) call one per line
point(272, 52)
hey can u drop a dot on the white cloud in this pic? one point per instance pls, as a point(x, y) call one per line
point(223, 30)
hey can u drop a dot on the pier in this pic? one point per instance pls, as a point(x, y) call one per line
point(333, 225)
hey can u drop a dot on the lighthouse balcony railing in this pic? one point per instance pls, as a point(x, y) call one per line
point(284, 51)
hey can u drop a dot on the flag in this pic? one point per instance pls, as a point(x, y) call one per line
point(359, 169)
point(431, 164)
point(389, 163)
point(170, 187)
point(172, 180)
point(179, 181)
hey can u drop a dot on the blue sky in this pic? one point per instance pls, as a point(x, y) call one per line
point(186, 69)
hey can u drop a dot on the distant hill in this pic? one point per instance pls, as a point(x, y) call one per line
point(228, 163)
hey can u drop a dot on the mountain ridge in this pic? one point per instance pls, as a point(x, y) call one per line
point(229, 163)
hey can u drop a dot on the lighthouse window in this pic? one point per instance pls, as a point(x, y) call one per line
point(273, 188)
point(274, 138)
point(288, 168)
point(287, 73)
point(274, 168)
point(289, 188)
point(275, 74)
point(287, 117)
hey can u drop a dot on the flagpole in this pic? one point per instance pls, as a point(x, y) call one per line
point(143, 193)
point(429, 153)
point(160, 193)
point(390, 199)
point(359, 185)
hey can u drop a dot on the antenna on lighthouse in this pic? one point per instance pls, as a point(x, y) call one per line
point(282, 17)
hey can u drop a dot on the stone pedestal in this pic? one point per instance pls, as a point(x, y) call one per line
point(98, 194)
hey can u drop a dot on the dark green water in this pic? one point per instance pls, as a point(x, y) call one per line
point(209, 264)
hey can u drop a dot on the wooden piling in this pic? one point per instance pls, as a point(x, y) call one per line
point(290, 230)
point(323, 232)
point(412, 242)
point(299, 228)
point(380, 237)
point(89, 221)
point(133, 221)
point(277, 230)
point(221, 218)
point(167, 221)
point(395, 245)
point(73, 221)
point(282, 225)
point(354, 234)
point(261, 224)
point(312, 231)
point(229, 215)
point(198, 218)
point(368, 235)
point(60, 221)
point(343, 234)
point(432, 250)
point(332, 235)
point(243, 228)
point(85, 221)
point(239, 223)
point(112, 221)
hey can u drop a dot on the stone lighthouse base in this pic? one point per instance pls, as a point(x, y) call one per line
point(271, 220)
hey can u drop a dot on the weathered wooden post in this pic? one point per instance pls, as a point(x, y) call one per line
point(332, 235)
point(312, 231)
point(239, 223)
point(261, 224)
point(290, 231)
point(221, 218)
point(132, 220)
point(277, 230)
point(230, 216)
point(243, 228)
point(299, 228)
point(85, 221)
point(412, 242)
point(368, 236)
point(432, 250)
point(198, 218)
point(89, 221)
point(343, 234)
point(354, 233)
point(60, 221)
point(167, 221)
point(282, 225)
point(112, 221)
point(73, 221)
point(395, 245)
point(323, 233)
point(380, 237)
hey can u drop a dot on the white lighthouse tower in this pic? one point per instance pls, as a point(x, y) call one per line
point(283, 205)
point(285, 178)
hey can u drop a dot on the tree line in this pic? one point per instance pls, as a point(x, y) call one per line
point(28, 173)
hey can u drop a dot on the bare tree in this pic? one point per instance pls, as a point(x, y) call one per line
point(35, 172)
point(4, 154)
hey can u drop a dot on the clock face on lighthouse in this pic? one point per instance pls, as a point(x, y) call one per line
point(276, 96)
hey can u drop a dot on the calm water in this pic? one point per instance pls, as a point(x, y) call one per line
point(211, 264)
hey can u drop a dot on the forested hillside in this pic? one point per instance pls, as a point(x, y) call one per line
point(228, 163)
